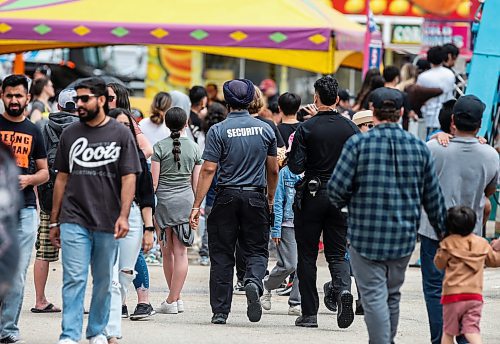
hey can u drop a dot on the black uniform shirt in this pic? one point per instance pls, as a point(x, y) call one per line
point(317, 144)
point(240, 146)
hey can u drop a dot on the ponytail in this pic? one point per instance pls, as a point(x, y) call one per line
point(176, 120)
point(175, 135)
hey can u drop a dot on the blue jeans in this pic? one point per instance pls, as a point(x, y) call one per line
point(432, 283)
point(81, 248)
point(142, 277)
point(13, 300)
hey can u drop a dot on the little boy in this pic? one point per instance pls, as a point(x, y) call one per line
point(283, 234)
point(463, 255)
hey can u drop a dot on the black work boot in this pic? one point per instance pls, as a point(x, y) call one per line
point(307, 321)
point(219, 319)
point(359, 308)
point(345, 315)
point(329, 299)
point(254, 308)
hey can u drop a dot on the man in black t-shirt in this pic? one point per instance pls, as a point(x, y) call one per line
point(288, 104)
point(26, 142)
point(97, 163)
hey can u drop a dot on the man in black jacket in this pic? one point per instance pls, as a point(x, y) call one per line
point(315, 150)
point(45, 251)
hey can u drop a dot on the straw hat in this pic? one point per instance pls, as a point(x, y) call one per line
point(362, 117)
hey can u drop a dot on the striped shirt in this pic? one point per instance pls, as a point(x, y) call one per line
point(385, 176)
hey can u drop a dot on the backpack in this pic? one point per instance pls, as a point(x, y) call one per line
point(46, 190)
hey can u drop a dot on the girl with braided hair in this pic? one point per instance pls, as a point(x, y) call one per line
point(175, 166)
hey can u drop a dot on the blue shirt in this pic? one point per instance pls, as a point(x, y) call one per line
point(240, 146)
point(385, 176)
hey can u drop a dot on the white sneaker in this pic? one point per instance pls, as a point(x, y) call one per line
point(180, 306)
point(66, 341)
point(265, 300)
point(295, 311)
point(100, 339)
point(168, 308)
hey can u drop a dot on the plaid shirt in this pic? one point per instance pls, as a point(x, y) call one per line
point(384, 176)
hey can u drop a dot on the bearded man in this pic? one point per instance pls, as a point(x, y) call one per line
point(96, 165)
point(26, 143)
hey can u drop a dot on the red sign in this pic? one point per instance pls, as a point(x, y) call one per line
point(438, 33)
point(457, 10)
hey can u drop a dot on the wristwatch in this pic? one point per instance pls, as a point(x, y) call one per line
point(149, 229)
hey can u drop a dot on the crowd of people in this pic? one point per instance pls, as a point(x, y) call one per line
point(264, 170)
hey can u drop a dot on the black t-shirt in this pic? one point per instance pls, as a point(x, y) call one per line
point(279, 140)
point(317, 144)
point(26, 142)
point(95, 159)
point(286, 129)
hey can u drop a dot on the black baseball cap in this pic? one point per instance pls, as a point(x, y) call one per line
point(469, 108)
point(386, 98)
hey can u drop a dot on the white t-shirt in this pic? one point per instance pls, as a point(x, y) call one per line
point(436, 77)
point(154, 132)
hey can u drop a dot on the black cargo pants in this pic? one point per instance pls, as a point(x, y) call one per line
point(317, 215)
point(241, 216)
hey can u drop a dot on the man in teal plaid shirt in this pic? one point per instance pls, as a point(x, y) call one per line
point(384, 177)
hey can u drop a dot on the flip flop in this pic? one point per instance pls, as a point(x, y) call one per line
point(49, 309)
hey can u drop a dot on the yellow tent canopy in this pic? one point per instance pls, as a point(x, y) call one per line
point(296, 33)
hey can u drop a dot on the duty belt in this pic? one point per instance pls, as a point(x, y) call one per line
point(243, 188)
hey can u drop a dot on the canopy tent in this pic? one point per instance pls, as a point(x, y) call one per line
point(299, 33)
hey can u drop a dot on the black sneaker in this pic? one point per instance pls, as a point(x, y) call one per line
point(329, 299)
point(345, 316)
point(239, 288)
point(219, 319)
point(124, 311)
point(307, 321)
point(142, 311)
point(11, 339)
point(286, 291)
point(254, 308)
point(359, 308)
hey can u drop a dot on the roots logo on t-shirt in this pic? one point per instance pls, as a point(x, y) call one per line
point(81, 154)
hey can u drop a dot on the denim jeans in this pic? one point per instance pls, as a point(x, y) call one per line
point(81, 248)
point(142, 277)
point(13, 300)
point(432, 283)
point(204, 235)
point(128, 250)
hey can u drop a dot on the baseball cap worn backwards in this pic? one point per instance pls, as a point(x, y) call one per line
point(469, 108)
point(238, 93)
point(386, 98)
point(65, 99)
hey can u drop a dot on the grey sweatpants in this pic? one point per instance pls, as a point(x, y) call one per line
point(286, 264)
point(379, 283)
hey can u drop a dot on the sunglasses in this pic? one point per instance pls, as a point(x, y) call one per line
point(111, 99)
point(369, 125)
point(85, 98)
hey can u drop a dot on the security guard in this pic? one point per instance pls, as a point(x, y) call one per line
point(243, 149)
point(316, 148)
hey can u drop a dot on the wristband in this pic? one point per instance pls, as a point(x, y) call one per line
point(54, 225)
point(149, 229)
point(195, 208)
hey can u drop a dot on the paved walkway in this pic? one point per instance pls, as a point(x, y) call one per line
point(276, 326)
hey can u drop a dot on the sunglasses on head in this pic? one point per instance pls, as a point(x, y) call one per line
point(84, 98)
